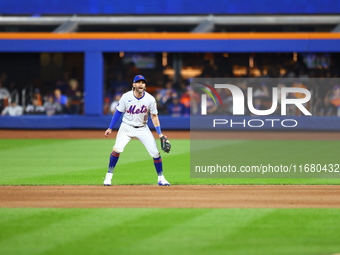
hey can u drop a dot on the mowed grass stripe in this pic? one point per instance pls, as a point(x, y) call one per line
point(54, 228)
point(75, 162)
point(80, 162)
point(45, 159)
point(84, 162)
point(120, 238)
point(172, 231)
point(264, 152)
point(198, 234)
point(13, 144)
point(257, 152)
point(289, 231)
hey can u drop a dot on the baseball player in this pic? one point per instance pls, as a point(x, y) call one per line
point(135, 106)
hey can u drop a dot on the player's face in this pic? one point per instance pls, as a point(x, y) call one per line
point(139, 86)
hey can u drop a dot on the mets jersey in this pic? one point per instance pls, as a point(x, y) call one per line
point(136, 110)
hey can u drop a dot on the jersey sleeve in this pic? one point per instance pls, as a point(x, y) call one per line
point(5, 110)
point(153, 106)
point(121, 106)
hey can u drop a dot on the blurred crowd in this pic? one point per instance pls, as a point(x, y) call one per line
point(65, 98)
point(178, 98)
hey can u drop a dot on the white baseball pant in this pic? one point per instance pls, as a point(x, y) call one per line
point(143, 134)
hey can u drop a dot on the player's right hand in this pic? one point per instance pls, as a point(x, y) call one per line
point(108, 131)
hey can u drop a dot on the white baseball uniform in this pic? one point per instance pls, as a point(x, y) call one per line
point(134, 124)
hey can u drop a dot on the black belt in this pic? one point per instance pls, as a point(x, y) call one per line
point(134, 126)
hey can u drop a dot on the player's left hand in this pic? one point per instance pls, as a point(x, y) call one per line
point(165, 144)
point(108, 131)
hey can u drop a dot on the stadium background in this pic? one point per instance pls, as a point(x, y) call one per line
point(49, 178)
point(166, 41)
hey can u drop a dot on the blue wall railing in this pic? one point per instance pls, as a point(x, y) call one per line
point(308, 123)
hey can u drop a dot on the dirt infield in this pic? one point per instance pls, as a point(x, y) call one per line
point(176, 196)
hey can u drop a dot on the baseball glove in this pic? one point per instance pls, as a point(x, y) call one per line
point(165, 144)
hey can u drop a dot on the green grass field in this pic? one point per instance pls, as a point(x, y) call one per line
point(75, 162)
point(153, 231)
point(169, 231)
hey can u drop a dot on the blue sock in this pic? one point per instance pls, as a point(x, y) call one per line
point(158, 165)
point(113, 161)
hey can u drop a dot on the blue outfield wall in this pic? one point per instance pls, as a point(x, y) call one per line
point(170, 45)
point(308, 123)
point(282, 123)
point(81, 122)
point(166, 7)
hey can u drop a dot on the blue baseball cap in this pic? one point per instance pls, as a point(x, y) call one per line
point(138, 78)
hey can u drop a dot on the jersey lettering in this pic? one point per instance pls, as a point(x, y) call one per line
point(133, 110)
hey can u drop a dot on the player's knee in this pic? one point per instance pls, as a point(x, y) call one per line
point(155, 154)
point(117, 150)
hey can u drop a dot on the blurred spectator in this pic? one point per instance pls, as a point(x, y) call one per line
point(326, 108)
point(185, 99)
point(4, 92)
point(12, 110)
point(119, 85)
point(243, 85)
point(62, 84)
point(164, 95)
point(258, 105)
point(4, 79)
point(227, 101)
point(51, 106)
point(38, 97)
point(106, 107)
point(194, 107)
point(74, 97)
point(335, 98)
point(293, 109)
point(34, 107)
point(4, 96)
point(303, 75)
point(261, 90)
point(211, 106)
point(299, 85)
point(12, 86)
point(114, 103)
point(61, 99)
point(175, 108)
point(182, 87)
